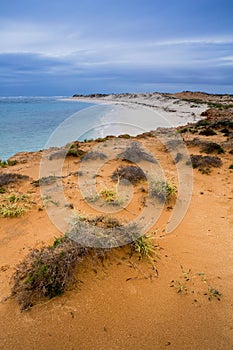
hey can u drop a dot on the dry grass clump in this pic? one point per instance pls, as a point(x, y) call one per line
point(7, 178)
point(46, 272)
point(162, 190)
point(132, 174)
point(13, 205)
point(101, 232)
point(135, 153)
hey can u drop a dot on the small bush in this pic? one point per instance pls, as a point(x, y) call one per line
point(7, 178)
point(132, 174)
point(225, 131)
point(94, 155)
point(12, 162)
point(2, 190)
point(161, 190)
point(124, 136)
point(10, 211)
point(202, 122)
point(231, 151)
point(178, 158)
point(45, 181)
point(3, 163)
point(13, 205)
point(75, 151)
point(46, 272)
point(207, 132)
point(212, 147)
point(58, 154)
point(102, 231)
point(144, 247)
point(231, 166)
point(199, 161)
point(108, 194)
point(134, 153)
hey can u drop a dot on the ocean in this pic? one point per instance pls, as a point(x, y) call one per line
point(27, 122)
point(35, 123)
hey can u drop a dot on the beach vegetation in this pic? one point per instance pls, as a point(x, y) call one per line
point(144, 247)
point(212, 147)
point(13, 205)
point(204, 163)
point(207, 132)
point(2, 190)
point(213, 293)
point(202, 122)
point(46, 272)
point(162, 190)
point(3, 163)
point(135, 153)
point(10, 210)
point(7, 178)
point(45, 181)
point(128, 174)
point(94, 155)
point(75, 151)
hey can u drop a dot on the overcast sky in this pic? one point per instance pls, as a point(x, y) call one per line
point(64, 47)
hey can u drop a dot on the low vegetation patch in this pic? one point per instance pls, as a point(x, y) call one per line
point(132, 174)
point(162, 190)
point(46, 272)
point(51, 270)
point(9, 162)
point(144, 247)
point(102, 231)
point(108, 195)
point(212, 147)
point(135, 153)
point(13, 205)
point(178, 158)
point(207, 132)
point(94, 155)
point(75, 151)
point(6, 179)
point(204, 162)
point(2, 190)
point(45, 181)
point(195, 285)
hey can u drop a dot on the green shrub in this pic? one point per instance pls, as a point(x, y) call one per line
point(144, 247)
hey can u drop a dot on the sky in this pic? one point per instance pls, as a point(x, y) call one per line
point(65, 47)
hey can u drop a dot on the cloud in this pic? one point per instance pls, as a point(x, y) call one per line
point(34, 53)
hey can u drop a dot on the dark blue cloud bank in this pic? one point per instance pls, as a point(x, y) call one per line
point(66, 47)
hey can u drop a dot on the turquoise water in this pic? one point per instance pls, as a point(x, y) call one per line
point(27, 122)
